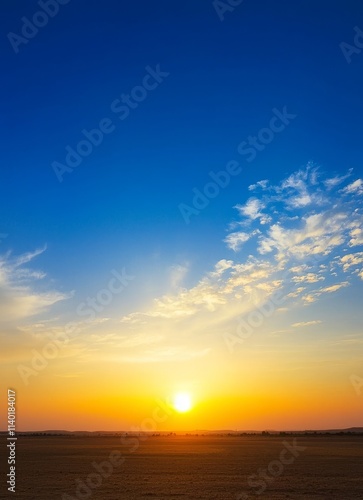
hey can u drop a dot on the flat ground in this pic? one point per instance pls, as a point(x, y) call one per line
point(185, 468)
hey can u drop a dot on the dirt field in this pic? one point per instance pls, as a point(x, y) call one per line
point(178, 468)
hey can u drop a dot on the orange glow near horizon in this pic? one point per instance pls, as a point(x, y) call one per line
point(263, 401)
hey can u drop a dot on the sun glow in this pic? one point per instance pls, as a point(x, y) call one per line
point(182, 402)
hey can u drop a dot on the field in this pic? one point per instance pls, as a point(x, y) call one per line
point(187, 467)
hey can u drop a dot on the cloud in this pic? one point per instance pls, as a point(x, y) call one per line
point(299, 226)
point(221, 266)
point(350, 260)
point(211, 306)
point(302, 233)
point(236, 240)
point(332, 182)
point(324, 222)
point(253, 210)
point(306, 323)
point(19, 298)
point(222, 288)
point(320, 221)
point(355, 187)
point(334, 288)
point(312, 297)
point(299, 269)
point(308, 278)
point(262, 184)
point(317, 234)
point(295, 189)
point(356, 237)
point(297, 292)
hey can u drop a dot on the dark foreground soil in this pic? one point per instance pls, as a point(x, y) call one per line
point(186, 468)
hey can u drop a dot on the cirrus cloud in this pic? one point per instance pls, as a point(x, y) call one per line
point(19, 297)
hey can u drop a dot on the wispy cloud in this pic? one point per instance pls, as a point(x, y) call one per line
point(332, 182)
point(252, 210)
point(298, 233)
point(308, 278)
point(19, 297)
point(306, 323)
point(236, 240)
point(355, 187)
point(356, 235)
point(351, 260)
point(292, 222)
point(260, 184)
point(301, 218)
point(226, 283)
point(313, 296)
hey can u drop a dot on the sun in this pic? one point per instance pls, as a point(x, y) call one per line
point(182, 402)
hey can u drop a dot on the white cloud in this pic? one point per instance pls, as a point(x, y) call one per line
point(351, 259)
point(298, 223)
point(317, 234)
point(299, 269)
point(356, 237)
point(313, 296)
point(253, 210)
point(216, 290)
point(262, 184)
point(297, 292)
point(18, 297)
point(334, 288)
point(317, 231)
point(308, 278)
point(221, 266)
point(355, 187)
point(295, 192)
point(236, 240)
point(295, 222)
point(306, 323)
point(335, 181)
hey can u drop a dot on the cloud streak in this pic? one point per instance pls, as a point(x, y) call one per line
point(19, 298)
point(306, 323)
point(300, 228)
point(300, 236)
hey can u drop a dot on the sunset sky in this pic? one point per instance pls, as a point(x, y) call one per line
point(134, 277)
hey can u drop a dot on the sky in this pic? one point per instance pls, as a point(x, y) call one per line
point(181, 212)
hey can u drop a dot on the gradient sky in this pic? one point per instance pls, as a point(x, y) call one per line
point(284, 233)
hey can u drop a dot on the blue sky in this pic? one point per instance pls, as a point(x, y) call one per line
point(120, 208)
point(225, 79)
